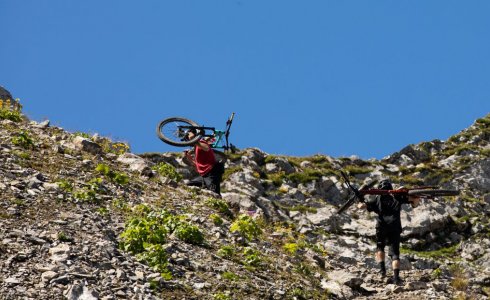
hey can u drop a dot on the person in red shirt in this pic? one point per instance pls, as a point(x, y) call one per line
point(209, 169)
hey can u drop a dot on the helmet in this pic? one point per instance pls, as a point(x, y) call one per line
point(385, 184)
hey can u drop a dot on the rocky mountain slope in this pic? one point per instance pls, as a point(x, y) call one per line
point(82, 218)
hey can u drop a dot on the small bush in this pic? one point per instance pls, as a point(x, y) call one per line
point(460, 280)
point(440, 253)
point(90, 192)
point(63, 237)
point(82, 134)
point(230, 171)
point(167, 170)
point(291, 248)
point(305, 176)
point(353, 170)
point(23, 140)
point(12, 115)
point(277, 178)
point(437, 273)
point(247, 227)
point(117, 177)
point(230, 276)
point(148, 229)
point(65, 186)
point(22, 155)
point(219, 205)
point(216, 219)
point(251, 257)
point(117, 148)
point(226, 252)
point(189, 234)
point(221, 296)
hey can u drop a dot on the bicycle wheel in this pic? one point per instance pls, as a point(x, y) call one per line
point(432, 193)
point(172, 130)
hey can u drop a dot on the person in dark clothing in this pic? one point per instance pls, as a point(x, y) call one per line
point(388, 226)
point(209, 169)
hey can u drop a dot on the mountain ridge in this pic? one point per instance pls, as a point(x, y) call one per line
point(83, 218)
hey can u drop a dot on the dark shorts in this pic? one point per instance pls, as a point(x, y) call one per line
point(212, 180)
point(388, 238)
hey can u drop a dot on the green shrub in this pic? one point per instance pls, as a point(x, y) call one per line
point(485, 152)
point(226, 252)
point(460, 280)
point(65, 186)
point(440, 253)
point(230, 276)
point(216, 219)
point(459, 149)
point(167, 170)
point(189, 234)
point(117, 148)
point(219, 205)
point(303, 269)
point(221, 296)
point(90, 192)
point(353, 170)
point(12, 115)
point(305, 176)
point(63, 237)
point(148, 229)
point(437, 273)
point(247, 227)
point(251, 257)
point(103, 211)
point(83, 134)
point(117, 177)
point(143, 237)
point(300, 208)
point(277, 178)
point(155, 256)
point(291, 248)
point(23, 140)
point(230, 171)
point(22, 155)
point(410, 180)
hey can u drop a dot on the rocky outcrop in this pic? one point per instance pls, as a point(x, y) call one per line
point(67, 200)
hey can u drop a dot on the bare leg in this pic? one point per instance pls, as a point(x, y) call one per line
point(380, 259)
point(396, 271)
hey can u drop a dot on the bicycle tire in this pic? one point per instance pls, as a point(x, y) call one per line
point(167, 131)
point(432, 193)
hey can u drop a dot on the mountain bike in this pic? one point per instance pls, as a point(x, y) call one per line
point(173, 132)
point(427, 192)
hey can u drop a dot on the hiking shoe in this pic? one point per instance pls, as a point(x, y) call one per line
point(396, 281)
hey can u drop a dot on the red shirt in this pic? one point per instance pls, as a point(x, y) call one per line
point(205, 160)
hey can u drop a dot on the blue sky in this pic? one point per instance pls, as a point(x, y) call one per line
point(340, 78)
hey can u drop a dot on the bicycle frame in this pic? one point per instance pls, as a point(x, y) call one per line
point(218, 137)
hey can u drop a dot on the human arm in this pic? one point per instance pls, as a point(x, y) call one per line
point(371, 204)
point(414, 201)
point(203, 145)
point(189, 158)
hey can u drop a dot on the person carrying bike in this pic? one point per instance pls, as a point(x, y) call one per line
point(209, 169)
point(388, 226)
